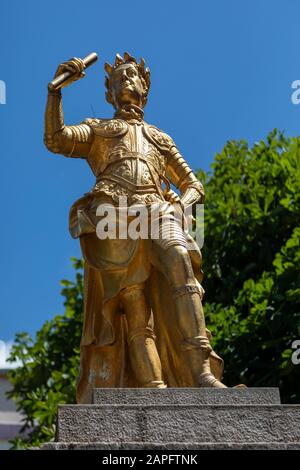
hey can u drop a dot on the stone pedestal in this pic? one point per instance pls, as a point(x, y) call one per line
point(179, 418)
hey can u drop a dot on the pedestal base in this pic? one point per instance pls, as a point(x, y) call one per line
point(181, 418)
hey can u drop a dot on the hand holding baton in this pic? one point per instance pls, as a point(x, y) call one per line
point(59, 81)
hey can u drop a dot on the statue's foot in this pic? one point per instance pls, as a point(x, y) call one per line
point(155, 384)
point(207, 379)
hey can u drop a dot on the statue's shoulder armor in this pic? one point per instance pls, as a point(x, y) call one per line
point(157, 137)
point(107, 127)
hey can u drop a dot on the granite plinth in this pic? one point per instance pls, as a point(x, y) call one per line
point(179, 418)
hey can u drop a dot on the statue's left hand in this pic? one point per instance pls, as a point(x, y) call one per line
point(172, 197)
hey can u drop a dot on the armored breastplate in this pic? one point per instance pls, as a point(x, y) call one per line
point(132, 170)
point(133, 167)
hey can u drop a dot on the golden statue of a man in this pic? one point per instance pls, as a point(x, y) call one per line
point(144, 324)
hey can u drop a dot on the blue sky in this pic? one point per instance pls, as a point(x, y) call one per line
point(220, 70)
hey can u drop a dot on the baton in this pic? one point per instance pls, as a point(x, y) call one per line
point(58, 81)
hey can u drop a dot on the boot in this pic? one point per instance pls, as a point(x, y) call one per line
point(144, 358)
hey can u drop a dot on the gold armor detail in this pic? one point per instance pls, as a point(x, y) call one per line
point(107, 127)
point(159, 138)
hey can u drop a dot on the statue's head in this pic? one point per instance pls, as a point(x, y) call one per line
point(128, 82)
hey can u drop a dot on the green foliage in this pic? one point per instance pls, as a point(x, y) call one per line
point(251, 260)
point(49, 368)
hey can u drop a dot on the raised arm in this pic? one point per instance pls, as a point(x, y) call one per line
point(71, 141)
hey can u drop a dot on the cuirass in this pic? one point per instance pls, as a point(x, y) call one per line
point(125, 159)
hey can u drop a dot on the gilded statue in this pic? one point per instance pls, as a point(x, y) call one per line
point(144, 323)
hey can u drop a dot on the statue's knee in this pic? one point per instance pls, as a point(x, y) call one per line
point(133, 301)
point(179, 251)
point(179, 269)
point(134, 334)
point(178, 254)
point(132, 292)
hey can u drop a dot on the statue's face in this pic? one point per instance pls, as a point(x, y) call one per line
point(126, 86)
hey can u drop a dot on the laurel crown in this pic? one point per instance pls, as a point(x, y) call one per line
point(144, 74)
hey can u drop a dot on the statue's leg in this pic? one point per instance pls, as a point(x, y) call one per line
point(174, 262)
point(144, 357)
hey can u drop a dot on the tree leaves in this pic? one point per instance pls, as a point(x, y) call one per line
point(251, 260)
point(50, 367)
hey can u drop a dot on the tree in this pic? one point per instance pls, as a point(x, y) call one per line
point(251, 260)
point(49, 369)
point(251, 257)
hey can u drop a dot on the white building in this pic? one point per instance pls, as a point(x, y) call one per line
point(10, 419)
